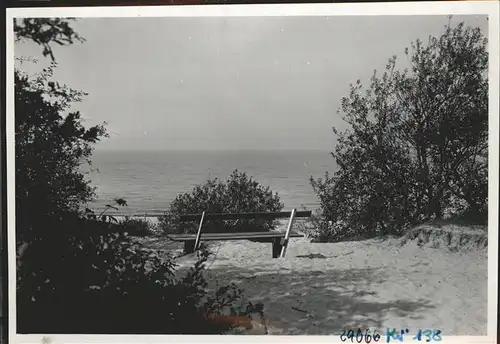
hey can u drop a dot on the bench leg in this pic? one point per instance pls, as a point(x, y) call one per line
point(188, 246)
point(276, 247)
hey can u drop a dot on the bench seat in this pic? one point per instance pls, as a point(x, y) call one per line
point(276, 238)
point(233, 236)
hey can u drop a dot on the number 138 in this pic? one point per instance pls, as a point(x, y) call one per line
point(429, 334)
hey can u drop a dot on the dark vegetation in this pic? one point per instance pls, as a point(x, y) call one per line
point(417, 145)
point(137, 227)
point(133, 226)
point(238, 194)
point(78, 271)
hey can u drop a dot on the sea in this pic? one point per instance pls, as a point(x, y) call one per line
point(150, 180)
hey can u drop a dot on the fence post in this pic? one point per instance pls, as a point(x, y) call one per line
point(198, 235)
point(287, 234)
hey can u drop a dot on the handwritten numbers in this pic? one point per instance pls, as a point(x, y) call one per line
point(368, 337)
point(429, 335)
point(359, 336)
point(418, 336)
point(349, 335)
point(437, 335)
point(343, 336)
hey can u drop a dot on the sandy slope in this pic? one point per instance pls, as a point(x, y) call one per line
point(369, 284)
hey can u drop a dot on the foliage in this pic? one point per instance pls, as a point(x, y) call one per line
point(238, 194)
point(50, 146)
point(416, 147)
point(44, 31)
point(107, 284)
point(102, 216)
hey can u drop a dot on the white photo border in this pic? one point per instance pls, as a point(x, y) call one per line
point(489, 8)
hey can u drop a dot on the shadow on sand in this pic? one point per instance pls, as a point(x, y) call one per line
point(321, 302)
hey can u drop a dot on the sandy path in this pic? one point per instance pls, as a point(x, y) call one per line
point(368, 284)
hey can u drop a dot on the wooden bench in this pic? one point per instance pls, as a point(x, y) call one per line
point(279, 240)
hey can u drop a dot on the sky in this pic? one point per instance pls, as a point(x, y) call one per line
point(249, 83)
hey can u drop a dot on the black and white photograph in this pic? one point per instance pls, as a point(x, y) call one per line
point(320, 174)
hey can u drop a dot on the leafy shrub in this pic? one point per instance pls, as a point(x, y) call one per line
point(108, 284)
point(238, 194)
point(137, 226)
point(50, 147)
point(417, 142)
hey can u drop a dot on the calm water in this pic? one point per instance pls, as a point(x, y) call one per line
point(150, 180)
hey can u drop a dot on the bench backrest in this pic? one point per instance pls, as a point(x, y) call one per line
point(202, 218)
point(244, 216)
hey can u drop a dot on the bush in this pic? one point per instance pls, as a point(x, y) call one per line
point(91, 283)
point(50, 147)
point(137, 226)
point(416, 146)
point(238, 194)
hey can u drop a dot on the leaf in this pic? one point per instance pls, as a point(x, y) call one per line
point(121, 202)
point(111, 207)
